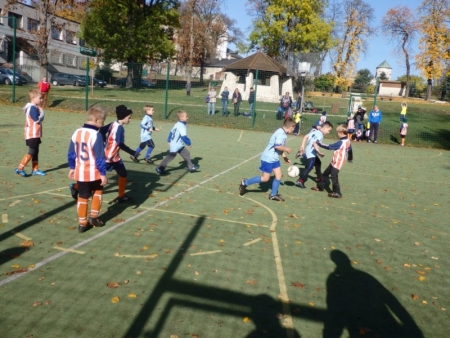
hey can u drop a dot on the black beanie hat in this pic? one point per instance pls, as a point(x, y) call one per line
point(122, 112)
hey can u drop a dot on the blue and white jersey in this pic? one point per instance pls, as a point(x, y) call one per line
point(178, 136)
point(271, 154)
point(314, 136)
point(146, 128)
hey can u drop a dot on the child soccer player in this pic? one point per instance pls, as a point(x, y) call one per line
point(342, 149)
point(86, 157)
point(147, 128)
point(403, 131)
point(270, 161)
point(312, 152)
point(116, 141)
point(403, 112)
point(34, 116)
point(178, 141)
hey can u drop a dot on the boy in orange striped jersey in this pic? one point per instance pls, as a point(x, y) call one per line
point(86, 157)
point(116, 141)
point(34, 115)
point(342, 150)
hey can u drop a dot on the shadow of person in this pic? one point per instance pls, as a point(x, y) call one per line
point(266, 315)
point(358, 303)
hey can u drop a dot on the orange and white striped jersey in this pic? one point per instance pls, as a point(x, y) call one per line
point(86, 149)
point(340, 154)
point(116, 136)
point(33, 126)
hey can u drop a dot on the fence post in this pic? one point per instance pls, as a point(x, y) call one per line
point(14, 62)
point(86, 105)
point(167, 89)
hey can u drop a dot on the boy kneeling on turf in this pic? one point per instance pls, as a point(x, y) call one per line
point(342, 149)
point(86, 157)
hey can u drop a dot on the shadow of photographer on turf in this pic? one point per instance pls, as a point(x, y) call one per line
point(359, 303)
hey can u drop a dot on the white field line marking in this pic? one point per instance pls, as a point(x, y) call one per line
point(114, 227)
point(252, 242)
point(212, 218)
point(13, 203)
point(240, 136)
point(33, 194)
point(205, 253)
point(4, 218)
point(136, 256)
point(68, 250)
point(25, 238)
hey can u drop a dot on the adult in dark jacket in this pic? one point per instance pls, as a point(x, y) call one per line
point(237, 99)
point(251, 101)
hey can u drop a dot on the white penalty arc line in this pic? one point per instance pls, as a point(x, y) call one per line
point(114, 227)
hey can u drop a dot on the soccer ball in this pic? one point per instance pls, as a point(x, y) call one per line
point(293, 171)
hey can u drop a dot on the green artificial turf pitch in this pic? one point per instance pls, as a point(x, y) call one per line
point(192, 258)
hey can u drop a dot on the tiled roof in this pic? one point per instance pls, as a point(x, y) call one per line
point(384, 64)
point(257, 61)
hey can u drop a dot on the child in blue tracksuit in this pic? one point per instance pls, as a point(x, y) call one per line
point(178, 141)
point(375, 117)
point(146, 135)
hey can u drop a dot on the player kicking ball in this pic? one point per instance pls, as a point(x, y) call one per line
point(270, 161)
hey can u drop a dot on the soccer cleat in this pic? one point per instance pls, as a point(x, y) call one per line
point(335, 195)
point(125, 199)
point(95, 222)
point(316, 189)
point(149, 161)
point(38, 173)
point(242, 187)
point(73, 191)
point(134, 159)
point(20, 172)
point(194, 168)
point(82, 228)
point(300, 184)
point(276, 198)
point(299, 154)
point(159, 170)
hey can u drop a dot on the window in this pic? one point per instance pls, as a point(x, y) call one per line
point(71, 60)
point(11, 20)
point(71, 37)
point(33, 25)
point(56, 33)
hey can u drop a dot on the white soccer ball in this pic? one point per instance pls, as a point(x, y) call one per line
point(293, 171)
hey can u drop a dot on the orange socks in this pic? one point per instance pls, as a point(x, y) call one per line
point(82, 207)
point(122, 184)
point(24, 162)
point(96, 203)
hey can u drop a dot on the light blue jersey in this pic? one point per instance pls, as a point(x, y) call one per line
point(178, 137)
point(313, 137)
point(146, 128)
point(271, 154)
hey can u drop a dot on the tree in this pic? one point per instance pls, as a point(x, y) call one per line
point(400, 24)
point(383, 76)
point(434, 43)
point(283, 26)
point(135, 31)
point(324, 82)
point(203, 27)
point(355, 30)
point(37, 41)
point(418, 84)
point(363, 79)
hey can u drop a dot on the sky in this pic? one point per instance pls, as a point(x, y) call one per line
point(379, 48)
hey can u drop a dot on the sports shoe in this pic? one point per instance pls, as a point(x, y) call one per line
point(375, 142)
point(276, 198)
point(20, 172)
point(73, 191)
point(134, 159)
point(316, 189)
point(335, 195)
point(300, 184)
point(160, 170)
point(149, 161)
point(95, 222)
point(125, 199)
point(299, 154)
point(194, 168)
point(82, 228)
point(38, 173)
point(368, 141)
point(242, 187)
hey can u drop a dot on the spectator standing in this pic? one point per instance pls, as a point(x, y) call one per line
point(359, 119)
point(212, 101)
point(237, 99)
point(251, 101)
point(44, 88)
point(403, 131)
point(403, 112)
point(285, 104)
point(225, 94)
point(375, 117)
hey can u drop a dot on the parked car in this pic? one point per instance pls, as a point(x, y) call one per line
point(144, 83)
point(61, 79)
point(6, 77)
point(99, 83)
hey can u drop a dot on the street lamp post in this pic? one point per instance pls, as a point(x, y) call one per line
point(303, 70)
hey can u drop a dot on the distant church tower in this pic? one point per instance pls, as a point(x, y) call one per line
point(385, 68)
